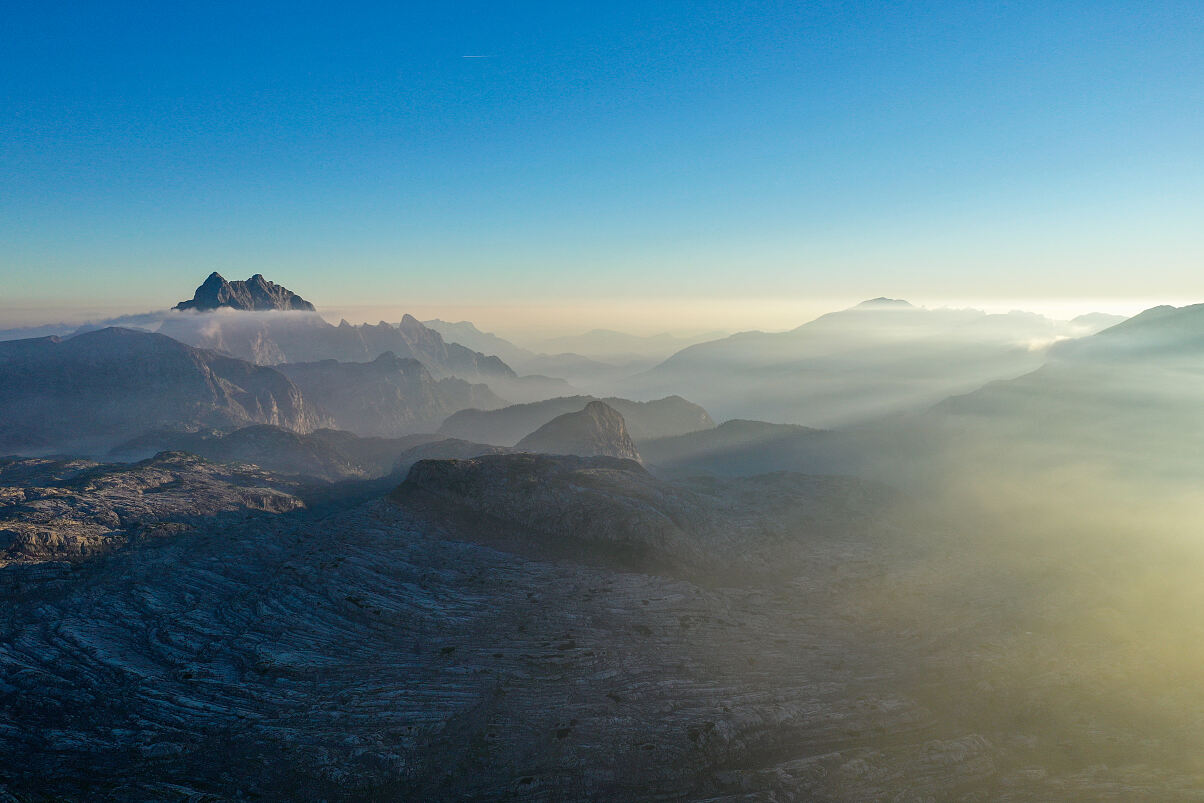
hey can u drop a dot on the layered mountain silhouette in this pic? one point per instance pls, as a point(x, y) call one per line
point(661, 418)
point(589, 373)
point(1122, 402)
point(91, 391)
point(468, 335)
point(272, 338)
point(1128, 397)
point(596, 430)
point(266, 324)
point(256, 293)
point(881, 357)
point(388, 397)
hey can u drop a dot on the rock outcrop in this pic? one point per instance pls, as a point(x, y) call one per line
point(596, 430)
point(614, 510)
point(662, 418)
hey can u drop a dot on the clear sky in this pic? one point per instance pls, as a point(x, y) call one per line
point(519, 160)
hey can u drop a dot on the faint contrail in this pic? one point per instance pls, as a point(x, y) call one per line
point(477, 57)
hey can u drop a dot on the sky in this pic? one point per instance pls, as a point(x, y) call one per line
point(664, 165)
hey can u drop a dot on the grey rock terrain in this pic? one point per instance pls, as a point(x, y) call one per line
point(596, 430)
point(401, 650)
point(87, 393)
point(256, 293)
point(69, 509)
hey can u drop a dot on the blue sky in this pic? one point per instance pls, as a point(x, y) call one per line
point(615, 154)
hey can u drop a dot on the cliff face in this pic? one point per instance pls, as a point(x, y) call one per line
point(90, 392)
point(596, 430)
point(256, 293)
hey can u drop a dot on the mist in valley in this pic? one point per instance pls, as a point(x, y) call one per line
point(979, 583)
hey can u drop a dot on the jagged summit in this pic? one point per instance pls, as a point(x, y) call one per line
point(599, 429)
point(254, 294)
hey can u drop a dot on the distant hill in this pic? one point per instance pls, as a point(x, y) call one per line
point(614, 347)
point(88, 392)
point(444, 449)
point(672, 415)
point(596, 430)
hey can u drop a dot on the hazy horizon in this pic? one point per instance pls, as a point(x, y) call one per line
point(534, 322)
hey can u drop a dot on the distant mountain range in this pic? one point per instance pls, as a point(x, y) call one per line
point(88, 392)
point(271, 338)
point(1122, 403)
point(589, 373)
point(599, 345)
point(881, 357)
point(468, 335)
point(1128, 397)
point(254, 353)
point(265, 323)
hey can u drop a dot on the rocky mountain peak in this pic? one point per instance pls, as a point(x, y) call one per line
point(599, 429)
point(256, 293)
